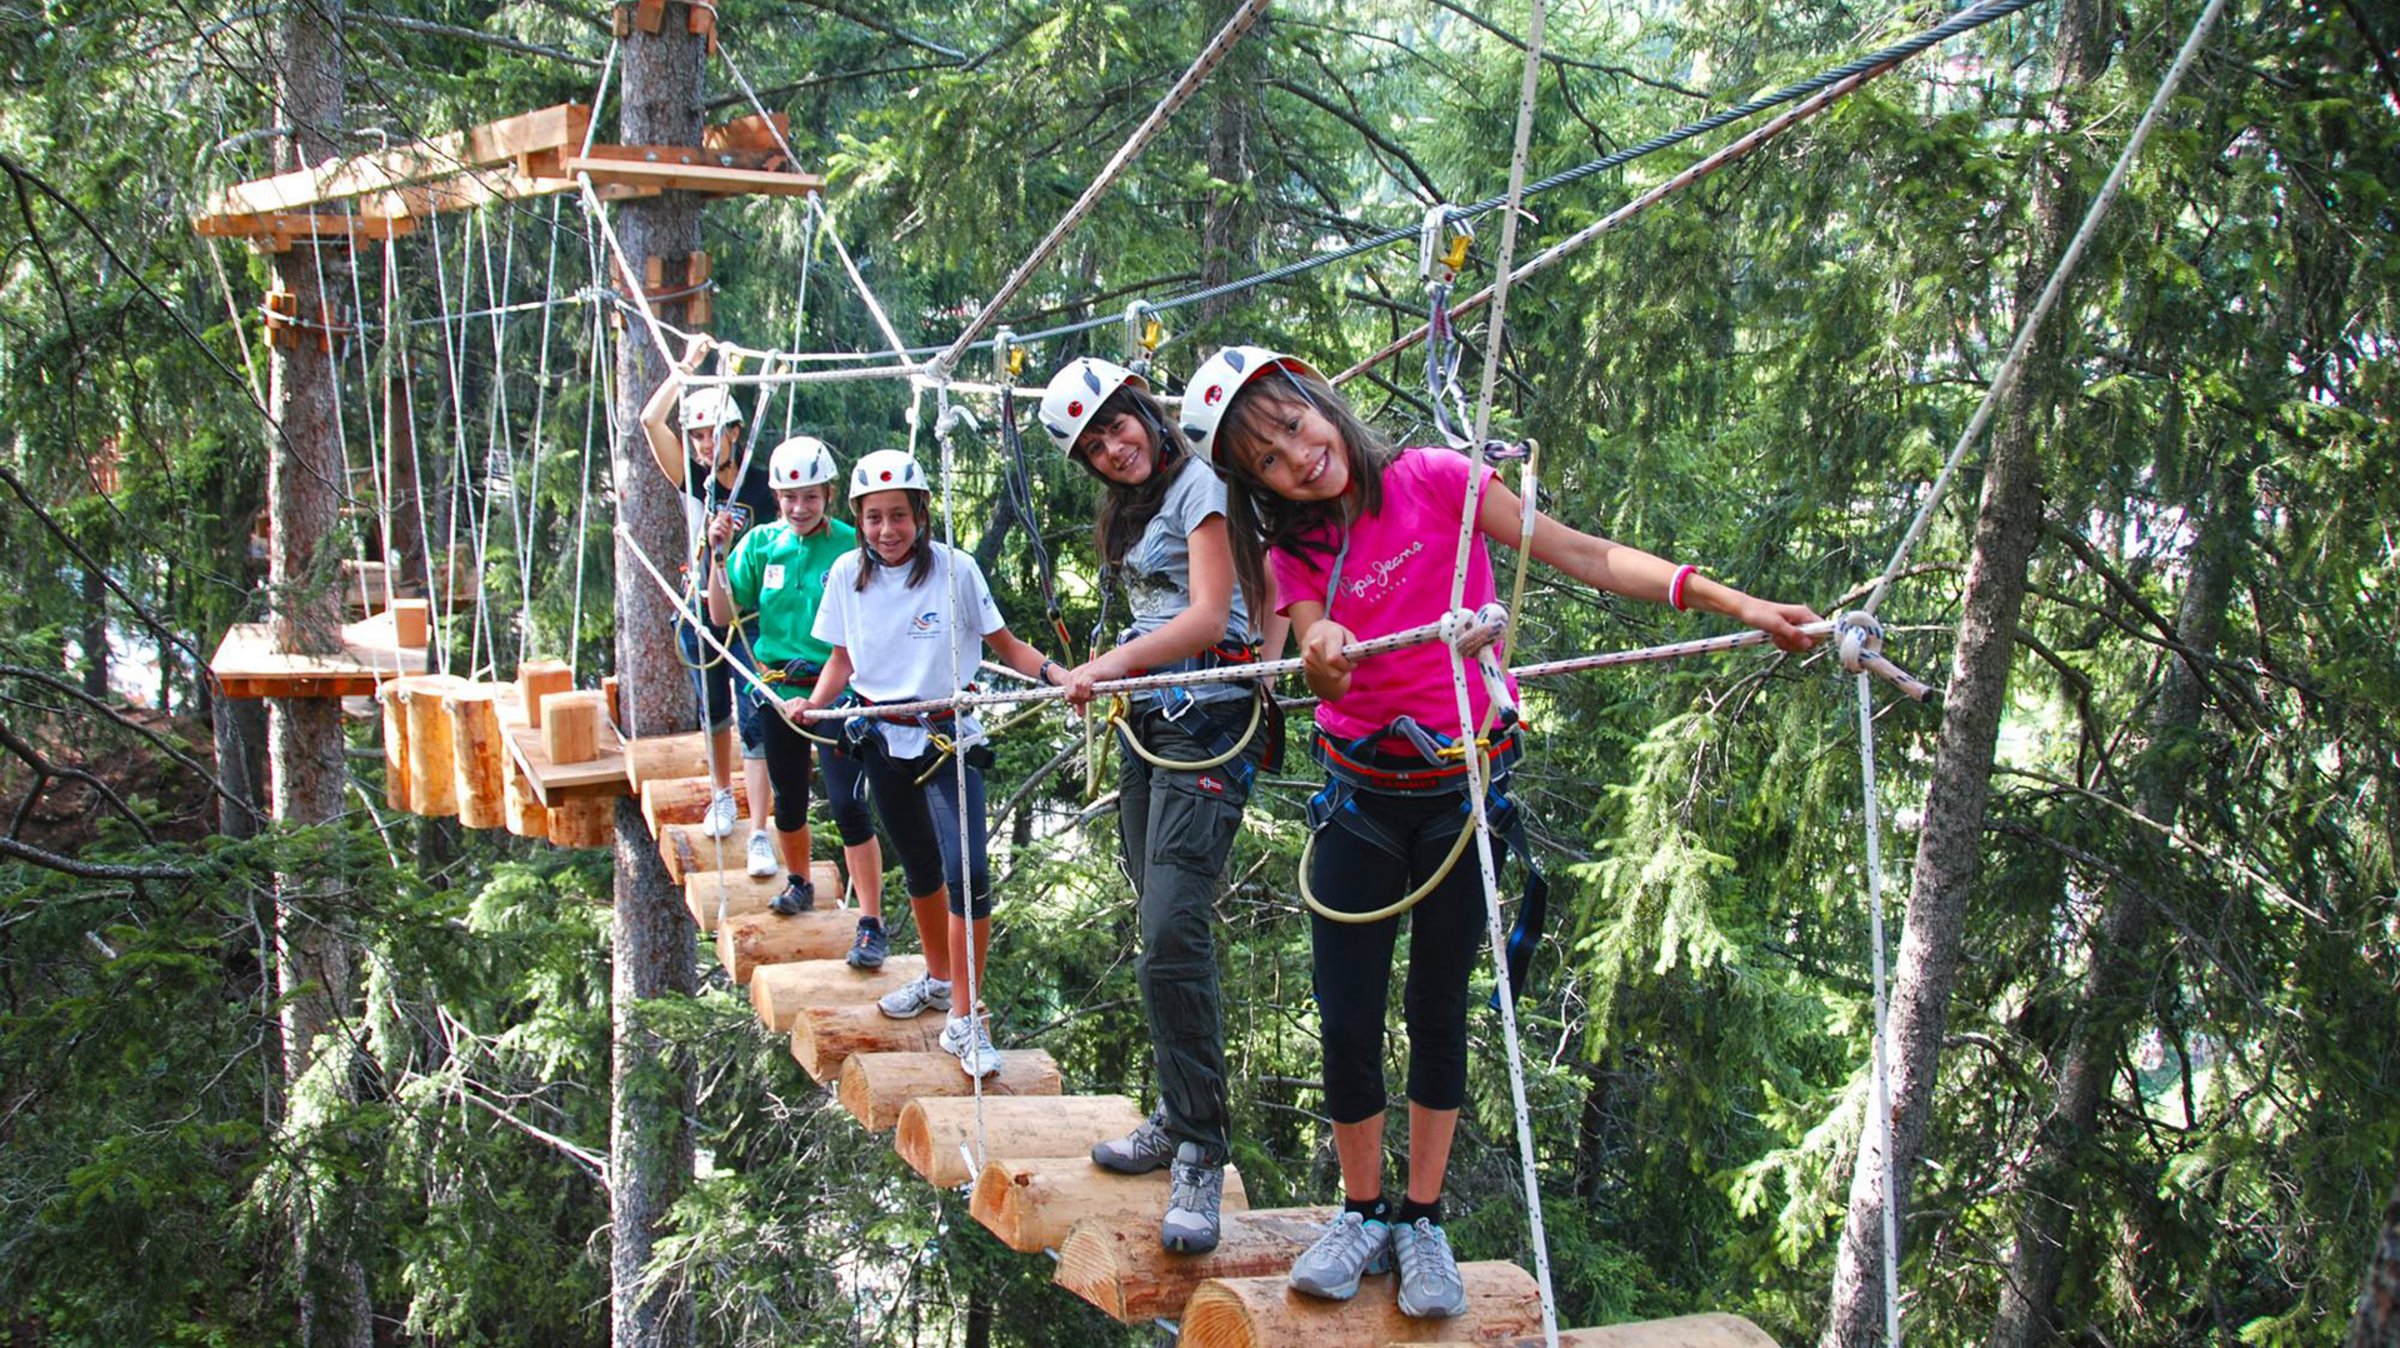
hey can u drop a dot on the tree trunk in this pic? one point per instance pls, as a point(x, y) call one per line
point(2377, 1323)
point(2120, 968)
point(1949, 849)
point(1230, 220)
point(650, 1149)
point(404, 544)
point(95, 629)
point(304, 735)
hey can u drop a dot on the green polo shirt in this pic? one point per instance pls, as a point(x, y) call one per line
point(780, 576)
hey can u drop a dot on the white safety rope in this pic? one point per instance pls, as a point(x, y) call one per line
point(945, 430)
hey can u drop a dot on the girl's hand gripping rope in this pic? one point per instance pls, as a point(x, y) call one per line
point(1325, 662)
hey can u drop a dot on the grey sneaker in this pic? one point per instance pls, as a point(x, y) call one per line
point(1351, 1248)
point(1139, 1152)
point(915, 997)
point(761, 854)
point(971, 1039)
point(1430, 1288)
point(870, 946)
point(797, 897)
point(1196, 1190)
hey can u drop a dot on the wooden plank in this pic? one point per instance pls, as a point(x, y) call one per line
point(825, 1037)
point(1118, 1265)
point(497, 142)
point(703, 178)
point(277, 231)
point(555, 783)
point(875, 1087)
point(748, 133)
point(779, 992)
point(761, 159)
point(1503, 1304)
point(247, 664)
point(1031, 1204)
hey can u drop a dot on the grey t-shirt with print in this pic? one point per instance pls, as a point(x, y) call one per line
point(1158, 567)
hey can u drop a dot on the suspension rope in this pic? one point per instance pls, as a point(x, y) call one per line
point(1208, 60)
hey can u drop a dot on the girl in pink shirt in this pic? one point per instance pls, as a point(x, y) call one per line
point(1361, 541)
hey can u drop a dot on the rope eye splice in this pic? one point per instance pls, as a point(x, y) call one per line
point(1858, 641)
point(1443, 243)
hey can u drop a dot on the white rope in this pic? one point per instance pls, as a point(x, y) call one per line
point(1860, 636)
point(944, 431)
point(858, 282)
point(1208, 60)
point(1478, 767)
point(2022, 346)
point(533, 489)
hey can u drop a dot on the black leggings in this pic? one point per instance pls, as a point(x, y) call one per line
point(1352, 872)
point(788, 755)
point(922, 823)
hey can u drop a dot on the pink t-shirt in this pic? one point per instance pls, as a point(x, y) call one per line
point(1397, 576)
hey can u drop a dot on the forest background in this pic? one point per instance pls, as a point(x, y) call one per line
point(2171, 1053)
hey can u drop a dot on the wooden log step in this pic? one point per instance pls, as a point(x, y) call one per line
point(660, 757)
point(749, 942)
point(684, 800)
point(931, 1130)
point(396, 794)
point(779, 991)
point(826, 1037)
point(1683, 1331)
point(686, 851)
point(479, 754)
point(875, 1087)
point(582, 821)
point(744, 893)
point(1117, 1265)
point(1031, 1205)
point(1503, 1304)
point(432, 751)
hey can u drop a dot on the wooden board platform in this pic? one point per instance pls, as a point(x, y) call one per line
point(1117, 1265)
point(554, 784)
point(248, 665)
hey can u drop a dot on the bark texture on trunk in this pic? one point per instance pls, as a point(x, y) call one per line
point(2377, 1321)
point(650, 1149)
point(304, 735)
point(1949, 849)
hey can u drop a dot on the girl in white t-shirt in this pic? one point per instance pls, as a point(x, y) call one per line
point(906, 617)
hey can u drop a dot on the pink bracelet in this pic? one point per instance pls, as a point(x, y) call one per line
point(1675, 586)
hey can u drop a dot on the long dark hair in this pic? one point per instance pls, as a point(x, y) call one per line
point(1126, 511)
point(1255, 516)
point(920, 556)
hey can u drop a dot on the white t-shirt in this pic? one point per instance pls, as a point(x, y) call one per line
point(895, 633)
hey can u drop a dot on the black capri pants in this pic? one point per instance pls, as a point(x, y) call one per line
point(922, 823)
point(1354, 871)
point(788, 756)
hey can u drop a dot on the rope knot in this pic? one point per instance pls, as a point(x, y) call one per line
point(1857, 636)
point(1472, 631)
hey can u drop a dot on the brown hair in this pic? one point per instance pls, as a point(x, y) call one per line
point(1255, 516)
point(1126, 511)
point(920, 556)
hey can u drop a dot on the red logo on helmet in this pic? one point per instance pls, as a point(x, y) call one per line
point(1215, 395)
point(1074, 409)
point(887, 474)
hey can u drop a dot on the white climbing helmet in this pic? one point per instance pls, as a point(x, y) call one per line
point(802, 461)
point(1075, 395)
point(710, 407)
point(1213, 385)
point(887, 470)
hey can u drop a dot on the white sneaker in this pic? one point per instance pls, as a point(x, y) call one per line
point(762, 855)
point(971, 1040)
point(916, 997)
point(723, 814)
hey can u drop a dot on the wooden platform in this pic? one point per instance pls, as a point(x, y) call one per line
point(248, 665)
point(554, 784)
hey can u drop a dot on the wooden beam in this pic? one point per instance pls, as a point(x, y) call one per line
point(875, 1087)
point(1502, 1303)
point(277, 231)
point(1031, 1205)
point(749, 133)
point(482, 146)
point(755, 941)
point(702, 178)
point(741, 893)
